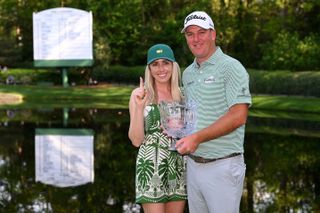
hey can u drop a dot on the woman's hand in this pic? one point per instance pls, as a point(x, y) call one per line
point(137, 103)
point(140, 94)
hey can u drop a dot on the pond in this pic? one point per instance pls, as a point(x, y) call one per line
point(281, 153)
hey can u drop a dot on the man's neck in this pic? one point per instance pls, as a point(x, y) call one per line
point(201, 60)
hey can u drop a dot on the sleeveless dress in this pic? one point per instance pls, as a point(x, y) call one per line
point(160, 173)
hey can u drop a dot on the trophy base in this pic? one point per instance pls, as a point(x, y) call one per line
point(172, 149)
point(172, 146)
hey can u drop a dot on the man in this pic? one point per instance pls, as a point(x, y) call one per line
point(219, 84)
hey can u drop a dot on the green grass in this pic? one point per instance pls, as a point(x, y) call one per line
point(118, 96)
point(287, 103)
point(42, 96)
point(286, 107)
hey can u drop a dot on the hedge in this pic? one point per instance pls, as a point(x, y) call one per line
point(285, 83)
point(275, 82)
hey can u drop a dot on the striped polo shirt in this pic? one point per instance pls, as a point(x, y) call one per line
point(216, 85)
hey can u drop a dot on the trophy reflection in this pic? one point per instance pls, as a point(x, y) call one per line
point(177, 119)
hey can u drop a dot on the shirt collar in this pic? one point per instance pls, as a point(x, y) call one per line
point(212, 60)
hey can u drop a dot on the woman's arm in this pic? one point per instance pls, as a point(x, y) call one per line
point(136, 108)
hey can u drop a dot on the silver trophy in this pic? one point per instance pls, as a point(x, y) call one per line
point(178, 119)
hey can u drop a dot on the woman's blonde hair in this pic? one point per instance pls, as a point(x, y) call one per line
point(175, 84)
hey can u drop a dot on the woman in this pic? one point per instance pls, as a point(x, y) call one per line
point(160, 173)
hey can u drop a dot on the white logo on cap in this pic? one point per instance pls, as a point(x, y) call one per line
point(189, 18)
point(159, 51)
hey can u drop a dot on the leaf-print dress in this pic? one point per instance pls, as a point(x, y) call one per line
point(160, 173)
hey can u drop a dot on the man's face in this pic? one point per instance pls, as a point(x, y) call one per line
point(201, 42)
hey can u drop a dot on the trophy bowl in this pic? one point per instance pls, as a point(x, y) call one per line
point(177, 119)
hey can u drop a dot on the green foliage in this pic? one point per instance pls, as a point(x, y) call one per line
point(261, 81)
point(287, 51)
point(102, 53)
point(285, 83)
point(124, 30)
point(44, 76)
point(119, 74)
point(9, 52)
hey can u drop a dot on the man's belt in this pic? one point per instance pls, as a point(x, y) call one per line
point(198, 159)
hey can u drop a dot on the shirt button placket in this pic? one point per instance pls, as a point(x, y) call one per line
point(200, 74)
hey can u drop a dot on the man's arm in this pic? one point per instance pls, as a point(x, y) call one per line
point(233, 119)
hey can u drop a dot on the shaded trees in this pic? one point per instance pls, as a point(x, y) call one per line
point(123, 30)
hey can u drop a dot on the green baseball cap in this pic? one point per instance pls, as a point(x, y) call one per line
point(160, 51)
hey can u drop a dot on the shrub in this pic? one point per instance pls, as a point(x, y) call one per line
point(25, 80)
point(119, 74)
point(285, 83)
point(274, 82)
point(288, 52)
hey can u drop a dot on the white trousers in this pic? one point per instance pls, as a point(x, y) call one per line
point(215, 187)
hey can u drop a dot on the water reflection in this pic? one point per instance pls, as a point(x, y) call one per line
point(64, 157)
point(282, 157)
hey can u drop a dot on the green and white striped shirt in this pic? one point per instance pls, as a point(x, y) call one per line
point(216, 85)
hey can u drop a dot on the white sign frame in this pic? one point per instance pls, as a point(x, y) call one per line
point(62, 37)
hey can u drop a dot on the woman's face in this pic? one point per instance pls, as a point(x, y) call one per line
point(161, 70)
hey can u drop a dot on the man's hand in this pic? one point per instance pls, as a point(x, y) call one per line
point(233, 119)
point(187, 144)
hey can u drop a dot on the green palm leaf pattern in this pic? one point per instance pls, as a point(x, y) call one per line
point(151, 123)
point(176, 166)
point(145, 169)
point(160, 173)
point(163, 171)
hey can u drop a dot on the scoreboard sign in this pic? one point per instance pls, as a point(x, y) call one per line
point(62, 37)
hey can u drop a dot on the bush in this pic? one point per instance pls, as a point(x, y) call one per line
point(287, 51)
point(274, 82)
point(25, 80)
point(285, 83)
point(34, 76)
point(119, 74)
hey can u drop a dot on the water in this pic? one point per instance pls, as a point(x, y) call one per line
point(281, 153)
